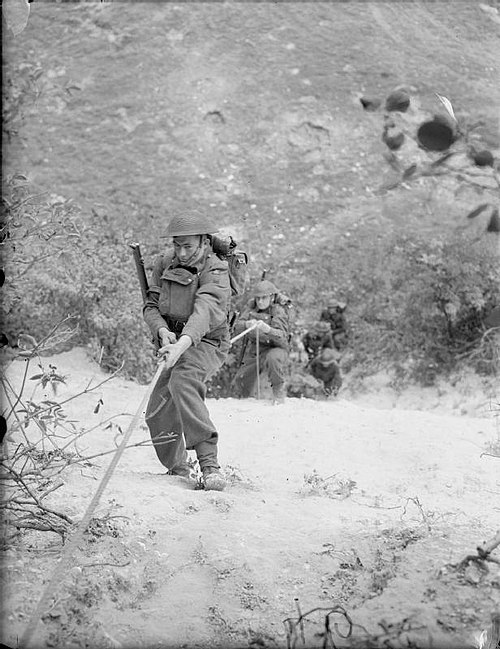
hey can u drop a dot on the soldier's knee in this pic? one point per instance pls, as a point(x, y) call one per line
point(178, 382)
point(276, 358)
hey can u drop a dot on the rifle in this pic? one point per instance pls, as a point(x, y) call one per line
point(141, 272)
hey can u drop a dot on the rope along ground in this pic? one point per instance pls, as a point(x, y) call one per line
point(67, 555)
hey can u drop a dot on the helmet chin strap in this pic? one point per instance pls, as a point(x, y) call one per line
point(188, 261)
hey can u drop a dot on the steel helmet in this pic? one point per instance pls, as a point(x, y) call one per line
point(264, 288)
point(189, 223)
point(321, 327)
point(336, 303)
point(327, 356)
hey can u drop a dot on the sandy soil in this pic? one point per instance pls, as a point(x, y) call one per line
point(329, 503)
point(363, 502)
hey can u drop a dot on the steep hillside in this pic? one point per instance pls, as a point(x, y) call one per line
point(251, 112)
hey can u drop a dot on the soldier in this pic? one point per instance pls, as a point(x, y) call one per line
point(317, 338)
point(334, 315)
point(187, 312)
point(272, 321)
point(325, 368)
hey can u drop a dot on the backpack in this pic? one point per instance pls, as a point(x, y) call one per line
point(237, 261)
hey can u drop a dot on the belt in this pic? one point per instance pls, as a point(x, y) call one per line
point(175, 325)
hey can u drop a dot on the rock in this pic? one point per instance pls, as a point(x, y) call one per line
point(436, 134)
point(398, 100)
point(393, 138)
point(483, 158)
point(370, 103)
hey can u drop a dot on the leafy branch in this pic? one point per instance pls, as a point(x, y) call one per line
point(451, 149)
point(41, 445)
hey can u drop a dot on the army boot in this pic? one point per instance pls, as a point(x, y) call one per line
point(186, 470)
point(213, 479)
point(279, 394)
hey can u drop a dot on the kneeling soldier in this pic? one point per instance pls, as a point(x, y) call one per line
point(272, 323)
point(325, 368)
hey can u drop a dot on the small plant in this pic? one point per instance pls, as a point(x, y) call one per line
point(331, 486)
point(40, 446)
point(492, 448)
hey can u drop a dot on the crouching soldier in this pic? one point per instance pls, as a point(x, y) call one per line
point(334, 316)
point(324, 368)
point(187, 312)
point(272, 322)
point(317, 338)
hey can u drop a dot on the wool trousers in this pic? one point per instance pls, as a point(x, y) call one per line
point(177, 415)
point(271, 359)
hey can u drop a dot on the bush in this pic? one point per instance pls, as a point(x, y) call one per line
point(423, 304)
point(415, 302)
point(60, 264)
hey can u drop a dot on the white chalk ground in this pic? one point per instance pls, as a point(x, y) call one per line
point(360, 503)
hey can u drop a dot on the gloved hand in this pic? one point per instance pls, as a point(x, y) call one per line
point(173, 351)
point(263, 327)
point(260, 325)
point(166, 336)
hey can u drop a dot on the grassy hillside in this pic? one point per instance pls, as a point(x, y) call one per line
point(251, 112)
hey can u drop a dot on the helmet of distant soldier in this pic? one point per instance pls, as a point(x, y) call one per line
point(321, 327)
point(327, 356)
point(336, 304)
point(263, 288)
point(189, 223)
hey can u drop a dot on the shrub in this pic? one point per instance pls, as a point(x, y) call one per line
point(60, 264)
point(423, 304)
point(416, 302)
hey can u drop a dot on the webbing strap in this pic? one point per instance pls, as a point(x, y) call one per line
point(67, 555)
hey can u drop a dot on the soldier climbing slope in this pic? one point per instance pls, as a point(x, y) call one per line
point(187, 312)
point(324, 368)
point(316, 338)
point(271, 317)
point(334, 315)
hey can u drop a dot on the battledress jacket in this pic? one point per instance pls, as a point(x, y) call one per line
point(192, 300)
point(276, 317)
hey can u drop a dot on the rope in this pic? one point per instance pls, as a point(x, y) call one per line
point(243, 333)
point(77, 536)
point(257, 361)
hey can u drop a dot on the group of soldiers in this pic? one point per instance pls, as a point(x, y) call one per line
point(265, 349)
point(187, 309)
point(324, 344)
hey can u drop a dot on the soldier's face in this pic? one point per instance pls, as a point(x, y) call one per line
point(263, 302)
point(185, 248)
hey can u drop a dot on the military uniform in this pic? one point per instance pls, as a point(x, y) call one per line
point(324, 368)
point(273, 349)
point(318, 338)
point(192, 301)
point(334, 316)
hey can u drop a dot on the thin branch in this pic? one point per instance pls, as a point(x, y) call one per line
point(5, 380)
point(25, 200)
point(21, 425)
point(113, 565)
point(38, 503)
point(145, 442)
